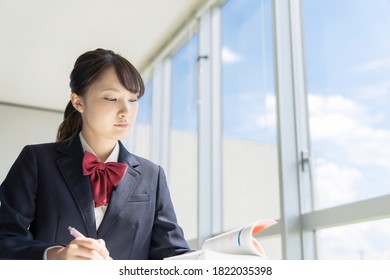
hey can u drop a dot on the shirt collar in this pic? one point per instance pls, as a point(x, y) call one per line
point(113, 157)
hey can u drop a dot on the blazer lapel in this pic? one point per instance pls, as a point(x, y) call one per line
point(78, 184)
point(124, 189)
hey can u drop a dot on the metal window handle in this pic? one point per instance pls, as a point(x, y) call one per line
point(306, 161)
point(205, 56)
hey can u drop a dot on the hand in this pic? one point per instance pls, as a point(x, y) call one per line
point(80, 249)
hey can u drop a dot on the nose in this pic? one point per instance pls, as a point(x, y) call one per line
point(125, 109)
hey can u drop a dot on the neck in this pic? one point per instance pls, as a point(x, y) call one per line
point(101, 147)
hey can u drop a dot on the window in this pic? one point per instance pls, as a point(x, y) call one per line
point(348, 63)
point(265, 174)
point(143, 124)
point(183, 165)
point(250, 157)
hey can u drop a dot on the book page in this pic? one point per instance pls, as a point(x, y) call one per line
point(236, 244)
point(240, 241)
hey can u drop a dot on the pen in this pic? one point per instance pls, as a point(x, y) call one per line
point(76, 234)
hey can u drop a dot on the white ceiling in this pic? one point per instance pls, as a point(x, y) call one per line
point(41, 39)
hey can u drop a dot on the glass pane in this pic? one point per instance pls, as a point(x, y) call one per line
point(143, 123)
point(250, 157)
point(183, 166)
point(272, 246)
point(348, 64)
point(369, 241)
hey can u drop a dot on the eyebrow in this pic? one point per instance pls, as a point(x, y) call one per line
point(109, 89)
point(117, 90)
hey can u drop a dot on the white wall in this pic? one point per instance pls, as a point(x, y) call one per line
point(22, 126)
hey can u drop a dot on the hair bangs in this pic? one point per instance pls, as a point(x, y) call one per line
point(129, 77)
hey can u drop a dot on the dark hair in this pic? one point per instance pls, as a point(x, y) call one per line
point(87, 69)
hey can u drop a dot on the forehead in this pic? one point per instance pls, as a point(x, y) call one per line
point(109, 80)
point(106, 78)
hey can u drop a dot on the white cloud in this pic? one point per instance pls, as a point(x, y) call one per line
point(269, 118)
point(343, 123)
point(369, 240)
point(376, 91)
point(374, 65)
point(333, 117)
point(334, 184)
point(228, 56)
point(320, 104)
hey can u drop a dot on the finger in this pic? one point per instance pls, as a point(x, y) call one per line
point(77, 251)
point(104, 251)
point(103, 243)
point(92, 244)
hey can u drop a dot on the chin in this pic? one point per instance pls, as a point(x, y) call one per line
point(120, 136)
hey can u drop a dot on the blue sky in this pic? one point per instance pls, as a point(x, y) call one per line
point(184, 87)
point(145, 105)
point(248, 71)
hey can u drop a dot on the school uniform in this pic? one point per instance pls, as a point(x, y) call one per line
point(45, 192)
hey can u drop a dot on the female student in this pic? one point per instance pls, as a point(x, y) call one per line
point(87, 180)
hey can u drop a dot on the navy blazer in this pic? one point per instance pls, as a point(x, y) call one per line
point(45, 192)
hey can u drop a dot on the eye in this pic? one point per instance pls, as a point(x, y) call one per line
point(133, 100)
point(110, 99)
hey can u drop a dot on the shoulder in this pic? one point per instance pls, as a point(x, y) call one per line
point(32, 156)
point(42, 149)
point(146, 164)
point(135, 160)
point(43, 146)
point(139, 163)
point(42, 152)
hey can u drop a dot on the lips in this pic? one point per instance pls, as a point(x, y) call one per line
point(122, 125)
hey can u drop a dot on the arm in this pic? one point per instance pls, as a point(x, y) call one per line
point(17, 210)
point(18, 195)
point(167, 236)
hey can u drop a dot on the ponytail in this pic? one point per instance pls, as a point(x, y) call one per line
point(71, 124)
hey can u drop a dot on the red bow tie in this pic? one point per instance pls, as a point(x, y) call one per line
point(103, 176)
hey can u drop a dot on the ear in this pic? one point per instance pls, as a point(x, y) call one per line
point(77, 102)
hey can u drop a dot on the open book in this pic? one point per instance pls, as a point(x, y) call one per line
point(236, 244)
